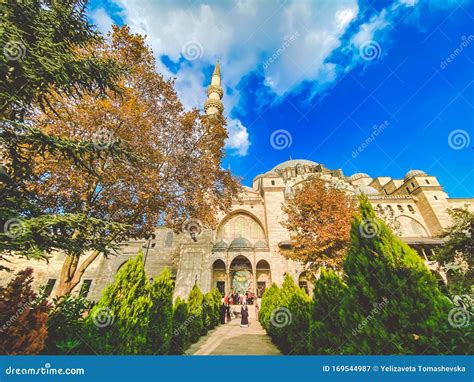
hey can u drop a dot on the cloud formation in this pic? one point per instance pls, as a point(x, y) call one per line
point(287, 42)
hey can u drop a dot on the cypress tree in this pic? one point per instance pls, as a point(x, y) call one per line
point(298, 328)
point(326, 331)
point(280, 316)
point(394, 305)
point(161, 314)
point(267, 305)
point(118, 324)
point(196, 320)
point(180, 340)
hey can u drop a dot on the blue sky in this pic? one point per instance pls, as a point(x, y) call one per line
point(310, 80)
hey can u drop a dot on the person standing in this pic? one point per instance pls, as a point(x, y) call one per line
point(257, 308)
point(222, 312)
point(244, 313)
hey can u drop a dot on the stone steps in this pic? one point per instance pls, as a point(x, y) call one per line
point(251, 308)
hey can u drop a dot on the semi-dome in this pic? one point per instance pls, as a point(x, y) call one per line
point(367, 190)
point(240, 243)
point(412, 173)
point(260, 244)
point(221, 246)
point(294, 163)
point(359, 175)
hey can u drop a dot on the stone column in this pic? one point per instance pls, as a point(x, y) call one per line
point(254, 274)
point(227, 282)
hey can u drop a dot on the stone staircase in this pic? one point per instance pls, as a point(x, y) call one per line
point(251, 308)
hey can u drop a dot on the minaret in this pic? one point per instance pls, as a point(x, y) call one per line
point(213, 104)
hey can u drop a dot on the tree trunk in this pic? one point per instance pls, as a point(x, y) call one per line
point(71, 272)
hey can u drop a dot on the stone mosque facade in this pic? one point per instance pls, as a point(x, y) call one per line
point(243, 252)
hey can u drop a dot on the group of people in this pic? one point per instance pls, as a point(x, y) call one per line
point(243, 299)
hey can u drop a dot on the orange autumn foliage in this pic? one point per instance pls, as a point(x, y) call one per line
point(319, 221)
point(174, 172)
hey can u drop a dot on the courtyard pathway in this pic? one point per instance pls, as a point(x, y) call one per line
point(231, 339)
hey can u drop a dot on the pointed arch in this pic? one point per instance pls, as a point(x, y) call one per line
point(241, 224)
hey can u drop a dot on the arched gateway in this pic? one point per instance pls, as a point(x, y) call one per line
point(241, 275)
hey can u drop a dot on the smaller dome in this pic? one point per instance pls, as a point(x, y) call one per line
point(221, 246)
point(260, 244)
point(240, 243)
point(367, 190)
point(412, 173)
point(359, 175)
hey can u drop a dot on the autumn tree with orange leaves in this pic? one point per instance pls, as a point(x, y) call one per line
point(173, 172)
point(319, 221)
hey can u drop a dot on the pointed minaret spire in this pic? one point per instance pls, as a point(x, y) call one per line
point(213, 104)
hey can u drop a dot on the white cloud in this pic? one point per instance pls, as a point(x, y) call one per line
point(102, 19)
point(289, 41)
point(238, 142)
point(367, 30)
point(300, 35)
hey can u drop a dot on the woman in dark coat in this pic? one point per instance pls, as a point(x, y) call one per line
point(244, 313)
point(223, 313)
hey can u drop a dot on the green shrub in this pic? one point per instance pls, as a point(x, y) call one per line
point(285, 315)
point(394, 305)
point(208, 311)
point(196, 326)
point(297, 330)
point(326, 332)
point(268, 303)
point(66, 325)
point(160, 326)
point(118, 324)
point(217, 298)
point(180, 339)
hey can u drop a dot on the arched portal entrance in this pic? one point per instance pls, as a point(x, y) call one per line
point(241, 277)
point(264, 277)
point(219, 276)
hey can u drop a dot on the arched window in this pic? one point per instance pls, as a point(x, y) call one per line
point(389, 209)
point(400, 208)
point(410, 208)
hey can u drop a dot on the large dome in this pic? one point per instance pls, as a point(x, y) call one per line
point(293, 163)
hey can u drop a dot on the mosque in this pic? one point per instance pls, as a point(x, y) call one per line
point(243, 252)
